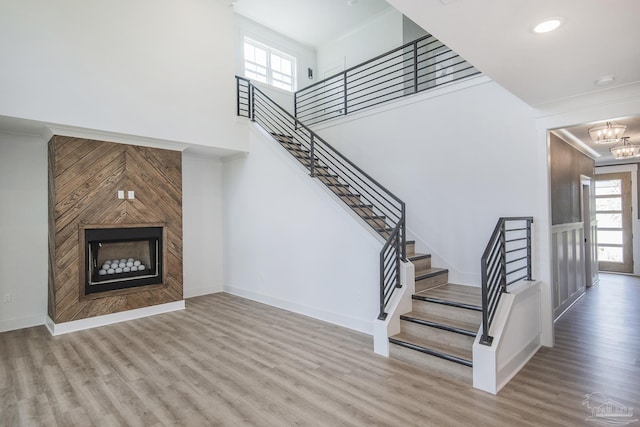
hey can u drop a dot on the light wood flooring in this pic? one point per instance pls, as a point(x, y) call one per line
point(229, 361)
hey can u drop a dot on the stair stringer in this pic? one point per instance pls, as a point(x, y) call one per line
point(399, 304)
point(516, 332)
point(325, 188)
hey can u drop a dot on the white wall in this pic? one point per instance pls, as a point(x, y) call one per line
point(635, 222)
point(290, 243)
point(458, 161)
point(379, 35)
point(23, 231)
point(202, 223)
point(305, 56)
point(153, 68)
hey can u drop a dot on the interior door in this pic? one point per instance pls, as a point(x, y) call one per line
point(613, 214)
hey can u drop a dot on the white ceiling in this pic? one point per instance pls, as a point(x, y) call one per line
point(578, 136)
point(598, 38)
point(312, 22)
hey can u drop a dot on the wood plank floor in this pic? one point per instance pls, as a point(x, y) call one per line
point(232, 362)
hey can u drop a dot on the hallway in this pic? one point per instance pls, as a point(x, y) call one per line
point(597, 350)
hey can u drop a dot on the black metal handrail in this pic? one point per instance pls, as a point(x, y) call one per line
point(506, 260)
point(354, 186)
point(422, 64)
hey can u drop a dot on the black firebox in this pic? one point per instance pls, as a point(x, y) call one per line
point(121, 258)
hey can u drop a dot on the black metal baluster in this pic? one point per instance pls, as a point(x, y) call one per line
point(415, 67)
point(312, 155)
point(529, 221)
point(345, 93)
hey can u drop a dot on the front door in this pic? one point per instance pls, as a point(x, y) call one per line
point(613, 213)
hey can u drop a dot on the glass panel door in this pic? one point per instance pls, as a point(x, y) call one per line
point(613, 215)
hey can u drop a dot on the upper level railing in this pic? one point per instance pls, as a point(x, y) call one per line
point(506, 260)
point(423, 64)
point(368, 198)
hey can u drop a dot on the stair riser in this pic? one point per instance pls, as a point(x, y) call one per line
point(376, 223)
point(350, 199)
point(432, 282)
point(363, 211)
point(305, 161)
point(329, 179)
point(411, 248)
point(285, 140)
point(447, 312)
point(453, 339)
point(341, 191)
point(421, 265)
point(300, 154)
point(290, 145)
point(444, 368)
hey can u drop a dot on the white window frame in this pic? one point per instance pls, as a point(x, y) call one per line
point(270, 75)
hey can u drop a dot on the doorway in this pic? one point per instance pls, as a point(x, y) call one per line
point(613, 214)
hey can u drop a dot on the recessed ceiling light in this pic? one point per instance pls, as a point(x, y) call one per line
point(605, 80)
point(548, 25)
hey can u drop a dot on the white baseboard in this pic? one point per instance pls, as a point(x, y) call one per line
point(21, 323)
point(517, 363)
point(108, 319)
point(337, 319)
point(197, 292)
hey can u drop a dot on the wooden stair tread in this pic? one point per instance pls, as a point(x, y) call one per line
point(337, 184)
point(416, 257)
point(287, 139)
point(454, 325)
point(434, 348)
point(431, 272)
point(296, 148)
point(469, 295)
point(360, 206)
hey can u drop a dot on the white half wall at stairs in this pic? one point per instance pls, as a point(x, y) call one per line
point(290, 243)
point(516, 332)
point(400, 303)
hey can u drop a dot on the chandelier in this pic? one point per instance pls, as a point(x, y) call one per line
point(607, 133)
point(625, 150)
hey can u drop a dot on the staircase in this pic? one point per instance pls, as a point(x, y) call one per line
point(439, 332)
point(335, 184)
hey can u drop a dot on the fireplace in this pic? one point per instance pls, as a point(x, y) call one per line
point(87, 181)
point(122, 257)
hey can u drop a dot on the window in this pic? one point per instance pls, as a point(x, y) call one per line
point(267, 65)
point(613, 212)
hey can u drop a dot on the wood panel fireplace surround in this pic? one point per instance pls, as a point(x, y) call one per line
point(109, 254)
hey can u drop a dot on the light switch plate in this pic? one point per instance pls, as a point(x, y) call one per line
point(131, 195)
point(120, 194)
